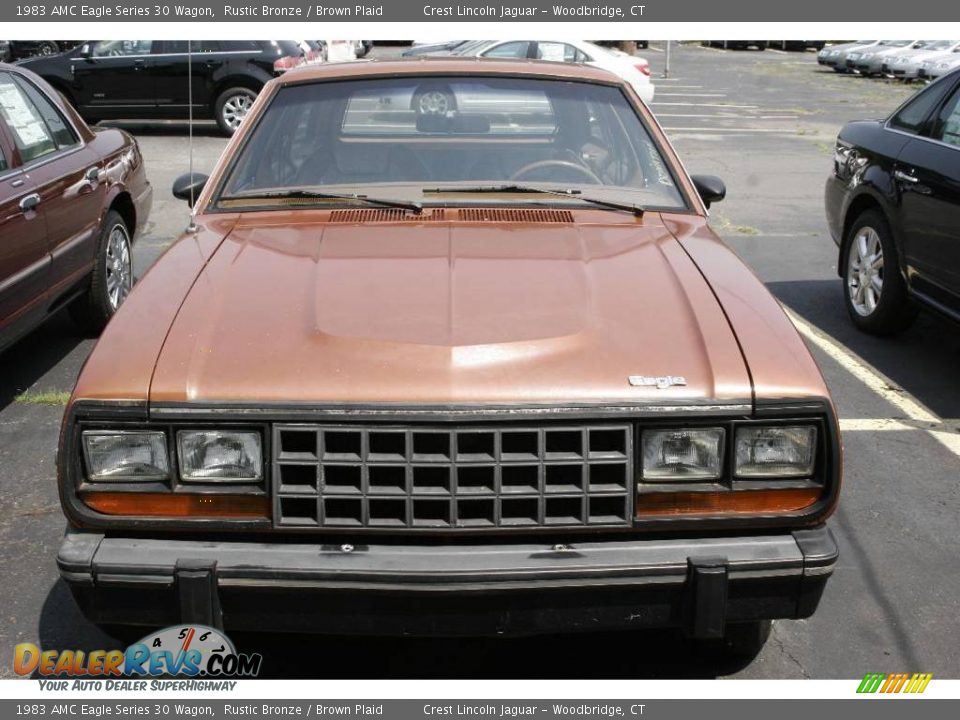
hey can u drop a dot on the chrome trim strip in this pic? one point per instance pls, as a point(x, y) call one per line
point(432, 412)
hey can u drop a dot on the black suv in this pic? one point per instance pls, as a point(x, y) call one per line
point(150, 79)
point(893, 205)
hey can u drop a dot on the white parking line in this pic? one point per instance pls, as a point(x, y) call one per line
point(914, 412)
point(712, 130)
point(685, 94)
point(710, 105)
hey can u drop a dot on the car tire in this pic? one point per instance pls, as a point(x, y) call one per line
point(47, 47)
point(232, 106)
point(877, 300)
point(112, 277)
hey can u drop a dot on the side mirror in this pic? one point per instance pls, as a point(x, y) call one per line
point(189, 186)
point(710, 188)
point(86, 51)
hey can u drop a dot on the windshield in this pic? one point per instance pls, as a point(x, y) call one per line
point(397, 137)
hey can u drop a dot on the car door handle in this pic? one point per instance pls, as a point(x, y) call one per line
point(92, 175)
point(29, 203)
point(905, 177)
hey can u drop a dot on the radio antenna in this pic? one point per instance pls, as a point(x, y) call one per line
point(190, 120)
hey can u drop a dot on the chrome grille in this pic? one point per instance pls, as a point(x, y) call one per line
point(397, 477)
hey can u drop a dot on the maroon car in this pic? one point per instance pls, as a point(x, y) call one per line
point(71, 202)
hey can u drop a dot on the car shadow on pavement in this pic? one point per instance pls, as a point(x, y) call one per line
point(615, 655)
point(36, 354)
point(923, 360)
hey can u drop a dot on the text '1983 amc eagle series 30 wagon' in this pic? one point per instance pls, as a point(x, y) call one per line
point(449, 349)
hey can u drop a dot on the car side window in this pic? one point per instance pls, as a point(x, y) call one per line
point(517, 49)
point(3, 160)
point(121, 48)
point(947, 128)
point(912, 116)
point(556, 51)
point(30, 133)
point(63, 134)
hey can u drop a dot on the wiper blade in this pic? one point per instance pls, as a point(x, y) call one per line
point(317, 195)
point(569, 193)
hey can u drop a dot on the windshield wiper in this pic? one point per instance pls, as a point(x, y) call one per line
point(314, 194)
point(569, 193)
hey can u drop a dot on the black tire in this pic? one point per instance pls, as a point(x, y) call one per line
point(92, 310)
point(879, 310)
point(232, 106)
point(436, 100)
point(47, 47)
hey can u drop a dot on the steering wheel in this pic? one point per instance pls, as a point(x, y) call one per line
point(564, 164)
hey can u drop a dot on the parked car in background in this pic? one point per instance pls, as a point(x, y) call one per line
point(5, 53)
point(361, 48)
point(869, 61)
point(451, 350)
point(893, 206)
point(71, 204)
point(433, 48)
point(835, 56)
point(29, 48)
point(906, 65)
point(148, 79)
point(314, 52)
point(642, 44)
point(736, 44)
point(632, 68)
point(801, 45)
point(936, 67)
point(340, 50)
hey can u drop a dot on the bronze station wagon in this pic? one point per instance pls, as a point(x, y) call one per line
point(449, 349)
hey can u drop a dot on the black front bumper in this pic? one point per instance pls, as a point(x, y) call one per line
point(698, 585)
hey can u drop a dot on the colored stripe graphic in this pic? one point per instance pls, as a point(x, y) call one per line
point(894, 683)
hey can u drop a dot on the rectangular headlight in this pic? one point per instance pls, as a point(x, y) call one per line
point(683, 454)
point(125, 456)
point(778, 451)
point(220, 456)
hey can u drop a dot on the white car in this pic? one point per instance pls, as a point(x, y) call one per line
point(341, 50)
point(906, 66)
point(935, 67)
point(633, 69)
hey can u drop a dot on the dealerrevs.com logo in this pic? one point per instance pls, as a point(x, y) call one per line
point(191, 651)
point(888, 683)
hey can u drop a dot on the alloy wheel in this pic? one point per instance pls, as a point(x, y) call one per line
point(865, 271)
point(235, 109)
point(119, 267)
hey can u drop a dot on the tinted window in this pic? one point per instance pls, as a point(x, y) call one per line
point(418, 131)
point(239, 45)
point(30, 133)
point(122, 48)
point(947, 128)
point(196, 46)
point(62, 133)
point(3, 161)
point(912, 116)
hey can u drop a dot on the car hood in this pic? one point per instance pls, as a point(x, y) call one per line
point(450, 313)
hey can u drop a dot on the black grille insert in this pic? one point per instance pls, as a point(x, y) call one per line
point(417, 477)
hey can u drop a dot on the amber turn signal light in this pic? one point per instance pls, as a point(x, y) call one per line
point(185, 506)
point(753, 502)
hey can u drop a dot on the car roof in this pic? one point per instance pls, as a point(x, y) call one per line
point(427, 65)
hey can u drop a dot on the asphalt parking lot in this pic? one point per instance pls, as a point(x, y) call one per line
point(765, 122)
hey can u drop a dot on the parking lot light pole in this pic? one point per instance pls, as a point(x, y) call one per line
point(666, 65)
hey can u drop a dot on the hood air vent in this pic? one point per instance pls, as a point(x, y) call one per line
point(495, 215)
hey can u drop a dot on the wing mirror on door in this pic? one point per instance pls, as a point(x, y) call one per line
point(86, 51)
point(189, 186)
point(710, 188)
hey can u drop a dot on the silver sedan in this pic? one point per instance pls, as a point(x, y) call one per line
point(906, 65)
